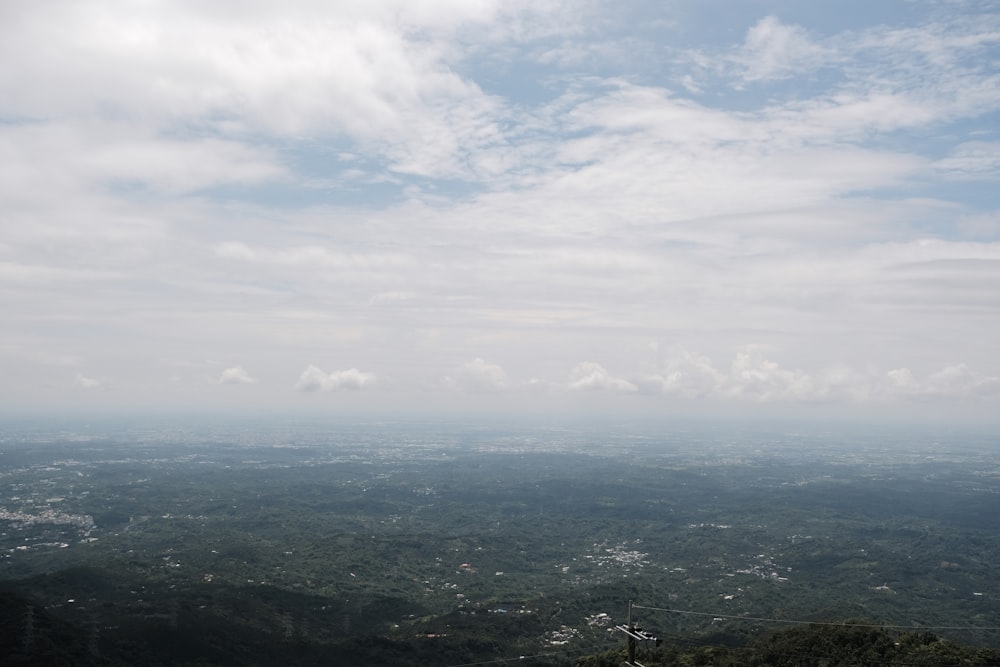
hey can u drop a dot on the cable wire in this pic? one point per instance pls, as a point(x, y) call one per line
point(694, 643)
point(830, 623)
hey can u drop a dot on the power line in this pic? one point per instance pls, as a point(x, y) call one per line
point(635, 635)
point(829, 623)
point(761, 619)
point(694, 643)
point(749, 650)
point(689, 643)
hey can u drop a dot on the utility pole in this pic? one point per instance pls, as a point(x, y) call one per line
point(94, 640)
point(635, 635)
point(29, 628)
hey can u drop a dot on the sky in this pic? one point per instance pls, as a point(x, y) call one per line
point(660, 207)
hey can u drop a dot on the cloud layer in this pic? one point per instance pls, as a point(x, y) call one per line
point(518, 203)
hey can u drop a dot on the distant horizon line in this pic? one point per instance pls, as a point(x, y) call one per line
point(506, 418)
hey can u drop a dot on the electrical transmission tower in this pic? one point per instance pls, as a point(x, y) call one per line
point(634, 635)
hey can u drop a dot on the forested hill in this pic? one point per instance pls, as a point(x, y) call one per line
point(47, 640)
point(811, 646)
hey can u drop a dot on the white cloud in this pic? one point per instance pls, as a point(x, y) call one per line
point(380, 77)
point(754, 376)
point(314, 379)
point(538, 386)
point(478, 376)
point(956, 381)
point(686, 375)
point(961, 381)
point(774, 50)
point(109, 155)
point(312, 256)
point(85, 382)
point(591, 376)
point(902, 380)
point(975, 160)
point(751, 377)
point(236, 375)
point(183, 166)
